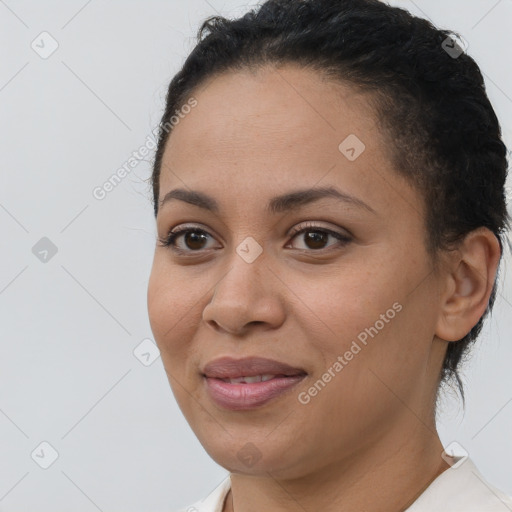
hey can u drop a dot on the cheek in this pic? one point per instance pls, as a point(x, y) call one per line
point(366, 313)
point(172, 309)
point(345, 300)
point(174, 316)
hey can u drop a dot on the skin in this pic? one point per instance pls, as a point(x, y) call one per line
point(255, 135)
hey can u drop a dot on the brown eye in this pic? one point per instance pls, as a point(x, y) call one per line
point(194, 240)
point(316, 237)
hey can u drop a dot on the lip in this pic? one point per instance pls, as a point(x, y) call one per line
point(230, 368)
point(244, 396)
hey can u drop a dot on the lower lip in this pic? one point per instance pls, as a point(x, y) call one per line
point(244, 396)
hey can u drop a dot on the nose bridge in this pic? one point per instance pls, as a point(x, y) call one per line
point(246, 269)
point(245, 293)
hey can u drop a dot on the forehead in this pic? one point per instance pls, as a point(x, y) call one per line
point(272, 104)
point(256, 132)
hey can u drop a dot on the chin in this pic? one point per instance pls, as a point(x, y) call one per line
point(255, 455)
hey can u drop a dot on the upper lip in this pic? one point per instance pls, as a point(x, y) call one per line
point(230, 368)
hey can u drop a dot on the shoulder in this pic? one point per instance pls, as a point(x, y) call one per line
point(214, 502)
point(462, 488)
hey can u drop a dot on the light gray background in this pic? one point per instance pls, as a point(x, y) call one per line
point(69, 327)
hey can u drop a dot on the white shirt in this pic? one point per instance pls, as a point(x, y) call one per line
point(461, 488)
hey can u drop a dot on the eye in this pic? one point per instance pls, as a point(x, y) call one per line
point(194, 238)
point(318, 236)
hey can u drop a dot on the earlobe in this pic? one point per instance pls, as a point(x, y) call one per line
point(469, 281)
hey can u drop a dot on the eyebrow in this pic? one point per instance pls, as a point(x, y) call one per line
point(279, 204)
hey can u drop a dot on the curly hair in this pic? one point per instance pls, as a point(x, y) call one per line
point(444, 134)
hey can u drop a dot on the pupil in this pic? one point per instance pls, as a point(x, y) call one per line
point(193, 237)
point(316, 236)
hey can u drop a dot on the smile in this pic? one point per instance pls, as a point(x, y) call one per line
point(245, 393)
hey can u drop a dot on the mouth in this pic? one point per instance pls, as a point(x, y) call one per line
point(242, 384)
point(230, 368)
point(252, 379)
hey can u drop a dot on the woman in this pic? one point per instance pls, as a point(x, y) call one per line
point(329, 198)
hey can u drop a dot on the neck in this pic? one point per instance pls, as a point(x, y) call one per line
point(387, 477)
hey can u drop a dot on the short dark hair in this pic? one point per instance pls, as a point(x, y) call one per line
point(444, 134)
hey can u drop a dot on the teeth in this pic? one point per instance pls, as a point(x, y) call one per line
point(238, 380)
point(250, 380)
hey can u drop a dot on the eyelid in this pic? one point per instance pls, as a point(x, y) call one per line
point(311, 225)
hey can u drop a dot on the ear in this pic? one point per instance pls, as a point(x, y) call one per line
point(469, 282)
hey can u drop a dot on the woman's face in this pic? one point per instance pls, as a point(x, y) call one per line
point(355, 316)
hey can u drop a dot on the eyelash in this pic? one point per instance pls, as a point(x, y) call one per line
point(170, 240)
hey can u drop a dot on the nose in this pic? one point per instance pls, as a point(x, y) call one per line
point(247, 295)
